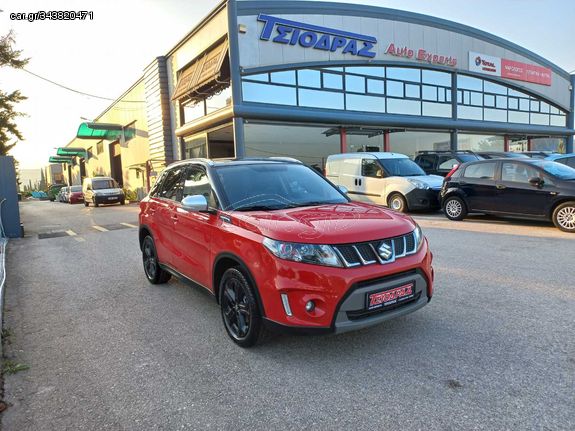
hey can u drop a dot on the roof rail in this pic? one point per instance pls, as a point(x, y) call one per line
point(444, 151)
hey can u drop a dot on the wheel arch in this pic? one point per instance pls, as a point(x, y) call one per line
point(557, 203)
point(227, 260)
point(143, 233)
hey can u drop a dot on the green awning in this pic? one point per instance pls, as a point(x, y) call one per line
point(70, 152)
point(56, 159)
point(107, 131)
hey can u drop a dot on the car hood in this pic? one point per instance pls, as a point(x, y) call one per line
point(432, 181)
point(326, 224)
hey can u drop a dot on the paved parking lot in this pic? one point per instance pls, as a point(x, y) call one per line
point(493, 350)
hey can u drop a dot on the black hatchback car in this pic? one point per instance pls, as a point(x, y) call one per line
point(526, 188)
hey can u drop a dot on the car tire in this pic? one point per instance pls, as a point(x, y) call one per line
point(122, 202)
point(397, 202)
point(454, 208)
point(240, 311)
point(564, 216)
point(86, 203)
point(154, 273)
point(96, 204)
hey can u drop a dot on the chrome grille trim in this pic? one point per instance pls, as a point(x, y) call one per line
point(374, 245)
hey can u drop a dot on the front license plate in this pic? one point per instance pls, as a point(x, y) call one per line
point(112, 199)
point(390, 296)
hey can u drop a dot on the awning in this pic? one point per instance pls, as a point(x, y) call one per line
point(205, 75)
point(107, 131)
point(56, 159)
point(71, 152)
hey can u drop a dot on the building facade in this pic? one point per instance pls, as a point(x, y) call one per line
point(308, 79)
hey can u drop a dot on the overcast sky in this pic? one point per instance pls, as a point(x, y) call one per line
point(106, 55)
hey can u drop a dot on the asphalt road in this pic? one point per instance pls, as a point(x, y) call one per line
point(495, 348)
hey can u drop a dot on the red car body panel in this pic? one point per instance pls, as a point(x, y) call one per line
point(76, 197)
point(191, 243)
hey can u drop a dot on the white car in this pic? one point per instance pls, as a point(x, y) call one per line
point(102, 190)
point(389, 179)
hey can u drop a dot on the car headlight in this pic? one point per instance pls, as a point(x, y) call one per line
point(418, 237)
point(305, 253)
point(418, 184)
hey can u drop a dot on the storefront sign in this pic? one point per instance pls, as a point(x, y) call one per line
point(509, 69)
point(484, 64)
point(420, 55)
point(313, 36)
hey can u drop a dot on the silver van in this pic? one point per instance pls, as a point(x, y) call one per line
point(389, 179)
point(102, 190)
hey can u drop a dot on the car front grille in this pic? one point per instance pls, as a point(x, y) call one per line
point(380, 251)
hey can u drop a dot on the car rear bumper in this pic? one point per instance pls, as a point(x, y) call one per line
point(421, 199)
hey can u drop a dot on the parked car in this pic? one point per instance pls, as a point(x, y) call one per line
point(53, 191)
point(566, 159)
point(75, 195)
point(538, 154)
point(389, 179)
point(63, 194)
point(279, 246)
point(530, 188)
point(102, 190)
point(441, 162)
point(502, 155)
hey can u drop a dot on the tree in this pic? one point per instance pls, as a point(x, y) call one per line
point(9, 57)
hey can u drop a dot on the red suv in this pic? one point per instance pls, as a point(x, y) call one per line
point(280, 246)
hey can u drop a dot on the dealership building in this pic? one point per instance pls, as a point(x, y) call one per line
point(308, 79)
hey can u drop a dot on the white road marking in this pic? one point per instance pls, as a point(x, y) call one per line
point(100, 228)
point(79, 239)
point(71, 232)
point(128, 224)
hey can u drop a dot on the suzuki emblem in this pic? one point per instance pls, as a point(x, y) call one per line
point(385, 251)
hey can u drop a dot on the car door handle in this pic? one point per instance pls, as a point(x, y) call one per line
point(359, 181)
point(174, 217)
point(500, 187)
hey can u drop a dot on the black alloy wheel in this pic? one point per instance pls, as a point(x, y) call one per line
point(240, 311)
point(154, 273)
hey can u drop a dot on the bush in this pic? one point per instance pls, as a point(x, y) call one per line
point(130, 195)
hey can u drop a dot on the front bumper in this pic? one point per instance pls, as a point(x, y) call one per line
point(340, 294)
point(422, 199)
point(108, 199)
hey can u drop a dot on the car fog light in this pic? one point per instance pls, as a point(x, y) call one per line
point(310, 306)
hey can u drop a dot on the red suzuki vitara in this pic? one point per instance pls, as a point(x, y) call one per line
point(280, 246)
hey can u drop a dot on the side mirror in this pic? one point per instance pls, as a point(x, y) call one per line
point(379, 174)
point(196, 203)
point(536, 181)
point(343, 189)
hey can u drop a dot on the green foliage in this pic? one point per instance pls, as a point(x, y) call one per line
point(11, 367)
point(130, 195)
point(9, 57)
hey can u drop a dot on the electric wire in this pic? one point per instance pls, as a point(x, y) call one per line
point(80, 92)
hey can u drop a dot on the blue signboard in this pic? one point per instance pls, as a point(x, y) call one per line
point(316, 37)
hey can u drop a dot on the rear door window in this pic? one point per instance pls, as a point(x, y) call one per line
point(446, 163)
point(426, 162)
point(484, 171)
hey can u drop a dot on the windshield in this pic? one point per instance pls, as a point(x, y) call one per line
point(104, 184)
point(272, 186)
point(401, 167)
point(556, 170)
point(76, 188)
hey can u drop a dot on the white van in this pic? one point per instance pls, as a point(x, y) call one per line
point(389, 179)
point(102, 190)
